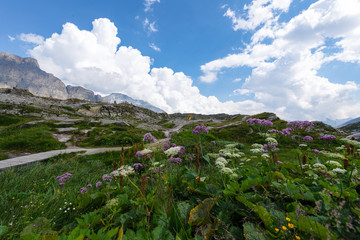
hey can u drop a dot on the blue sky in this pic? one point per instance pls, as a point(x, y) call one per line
point(297, 58)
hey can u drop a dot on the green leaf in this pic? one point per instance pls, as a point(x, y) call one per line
point(264, 215)
point(3, 230)
point(252, 232)
point(307, 225)
point(200, 215)
point(206, 158)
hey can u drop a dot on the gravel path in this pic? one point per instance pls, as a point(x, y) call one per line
point(23, 160)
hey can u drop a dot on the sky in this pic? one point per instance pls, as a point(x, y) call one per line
point(297, 58)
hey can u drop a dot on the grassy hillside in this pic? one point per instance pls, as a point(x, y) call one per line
point(227, 181)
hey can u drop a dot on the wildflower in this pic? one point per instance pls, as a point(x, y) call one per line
point(198, 129)
point(263, 122)
point(213, 143)
point(316, 151)
point(279, 162)
point(173, 145)
point(291, 225)
point(308, 138)
point(257, 146)
point(125, 170)
point(136, 166)
point(334, 164)
point(284, 228)
point(297, 237)
point(175, 160)
point(149, 138)
point(83, 190)
point(89, 186)
point(226, 170)
point(143, 152)
point(328, 137)
point(302, 145)
point(98, 184)
point(115, 173)
point(339, 170)
point(148, 156)
point(321, 166)
point(171, 152)
point(106, 177)
point(299, 124)
point(64, 177)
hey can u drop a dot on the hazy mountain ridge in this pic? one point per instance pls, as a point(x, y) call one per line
point(25, 73)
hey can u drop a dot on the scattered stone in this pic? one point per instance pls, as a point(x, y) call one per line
point(69, 129)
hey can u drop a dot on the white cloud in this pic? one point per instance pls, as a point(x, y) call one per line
point(259, 12)
point(153, 46)
point(237, 80)
point(93, 59)
point(241, 91)
point(149, 3)
point(150, 26)
point(285, 71)
point(11, 38)
point(31, 38)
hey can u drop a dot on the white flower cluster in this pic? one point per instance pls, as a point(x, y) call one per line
point(213, 155)
point(232, 145)
point(123, 171)
point(271, 140)
point(334, 164)
point(256, 150)
point(220, 162)
point(111, 203)
point(320, 165)
point(231, 153)
point(340, 148)
point(339, 171)
point(265, 155)
point(171, 152)
point(302, 145)
point(145, 151)
point(265, 135)
point(353, 142)
point(332, 155)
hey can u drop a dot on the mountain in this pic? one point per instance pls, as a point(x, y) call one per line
point(336, 122)
point(120, 98)
point(352, 121)
point(25, 73)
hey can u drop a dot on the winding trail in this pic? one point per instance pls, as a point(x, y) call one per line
point(23, 160)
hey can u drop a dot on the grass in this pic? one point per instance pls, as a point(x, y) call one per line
point(249, 197)
point(31, 139)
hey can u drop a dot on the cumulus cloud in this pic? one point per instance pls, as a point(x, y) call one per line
point(154, 47)
point(11, 38)
point(285, 71)
point(241, 91)
point(95, 60)
point(149, 3)
point(31, 38)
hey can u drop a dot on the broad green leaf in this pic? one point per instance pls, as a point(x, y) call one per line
point(252, 232)
point(200, 215)
point(3, 230)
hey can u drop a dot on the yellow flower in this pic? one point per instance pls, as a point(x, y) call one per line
point(47, 183)
point(284, 228)
point(13, 198)
point(276, 229)
point(184, 181)
point(291, 225)
point(297, 237)
point(288, 219)
point(31, 202)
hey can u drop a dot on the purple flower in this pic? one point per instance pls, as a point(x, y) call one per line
point(175, 160)
point(106, 177)
point(148, 156)
point(138, 154)
point(213, 143)
point(190, 158)
point(308, 138)
point(83, 190)
point(149, 138)
point(89, 186)
point(299, 124)
point(316, 151)
point(61, 184)
point(136, 166)
point(328, 137)
point(98, 184)
point(64, 177)
point(279, 162)
point(167, 145)
point(198, 129)
point(173, 145)
point(263, 122)
point(182, 150)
